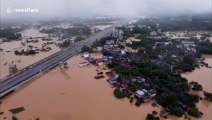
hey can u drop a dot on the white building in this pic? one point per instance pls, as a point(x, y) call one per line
point(139, 93)
point(86, 55)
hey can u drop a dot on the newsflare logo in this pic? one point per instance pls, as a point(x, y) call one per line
point(9, 10)
point(22, 10)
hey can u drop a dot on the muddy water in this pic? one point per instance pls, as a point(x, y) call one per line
point(8, 57)
point(204, 77)
point(72, 95)
point(32, 32)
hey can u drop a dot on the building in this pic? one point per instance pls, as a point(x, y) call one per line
point(159, 31)
point(83, 64)
point(152, 93)
point(63, 42)
point(153, 33)
point(86, 55)
point(63, 65)
point(139, 93)
point(99, 49)
point(123, 52)
point(13, 69)
point(145, 91)
point(110, 42)
point(100, 62)
point(164, 113)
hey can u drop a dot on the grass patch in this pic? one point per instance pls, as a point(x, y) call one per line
point(17, 110)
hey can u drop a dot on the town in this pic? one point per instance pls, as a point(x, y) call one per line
point(148, 66)
point(106, 60)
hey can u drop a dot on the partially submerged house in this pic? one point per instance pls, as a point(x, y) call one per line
point(85, 55)
point(63, 65)
point(85, 63)
point(99, 49)
point(100, 62)
point(13, 68)
point(164, 113)
point(152, 92)
point(139, 94)
point(64, 42)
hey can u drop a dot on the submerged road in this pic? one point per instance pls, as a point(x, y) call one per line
point(11, 83)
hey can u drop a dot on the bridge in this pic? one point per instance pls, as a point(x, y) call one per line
point(11, 83)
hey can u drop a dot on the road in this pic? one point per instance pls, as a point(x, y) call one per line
point(11, 83)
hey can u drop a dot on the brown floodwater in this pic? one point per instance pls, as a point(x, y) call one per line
point(8, 57)
point(74, 94)
point(203, 76)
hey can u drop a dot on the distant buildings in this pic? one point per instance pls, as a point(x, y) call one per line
point(64, 42)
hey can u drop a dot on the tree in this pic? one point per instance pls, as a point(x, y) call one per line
point(162, 73)
point(208, 96)
point(17, 52)
point(122, 70)
point(196, 86)
point(193, 98)
point(177, 111)
point(14, 118)
point(151, 117)
point(195, 112)
point(79, 38)
point(135, 73)
point(118, 93)
point(185, 87)
point(86, 49)
point(105, 52)
point(32, 52)
point(169, 101)
point(188, 60)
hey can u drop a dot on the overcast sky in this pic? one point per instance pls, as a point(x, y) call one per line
point(67, 8)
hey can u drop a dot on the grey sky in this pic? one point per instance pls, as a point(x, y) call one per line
point(64, 8)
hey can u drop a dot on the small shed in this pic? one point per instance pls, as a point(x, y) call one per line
point(100, 62)
point(86, 55)
point(139, 93)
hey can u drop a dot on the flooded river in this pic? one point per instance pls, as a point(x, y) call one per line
point(74, 94)
point(204, 77)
